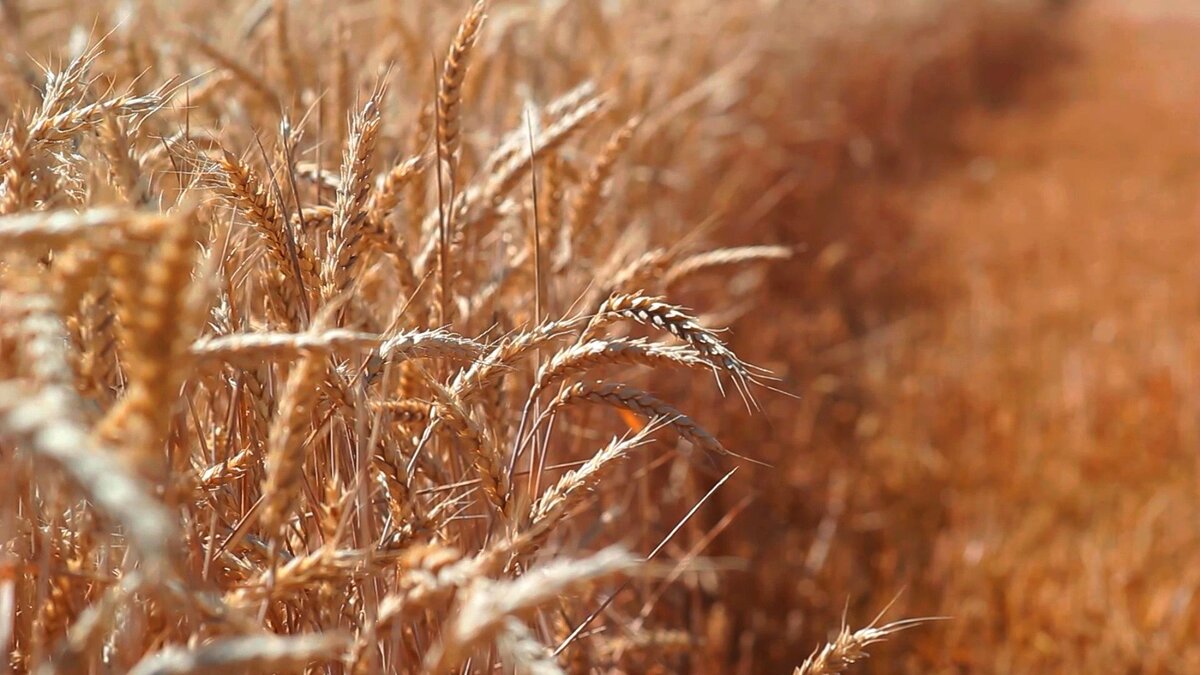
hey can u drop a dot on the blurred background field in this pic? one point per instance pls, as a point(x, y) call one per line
point(1020, 453)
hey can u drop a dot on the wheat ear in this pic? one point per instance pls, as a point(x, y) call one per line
point(643, 403)
point(449, 100)
point(353, 231)
point(850, 647)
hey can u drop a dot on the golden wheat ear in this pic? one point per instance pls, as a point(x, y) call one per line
point(158, 324)
point(292, 272)
point(353, 231)
point(850, 647)
point(454, 71)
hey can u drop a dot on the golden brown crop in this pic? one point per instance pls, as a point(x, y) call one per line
point(300, 302)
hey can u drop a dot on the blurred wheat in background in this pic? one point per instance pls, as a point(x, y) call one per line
point(572, 336)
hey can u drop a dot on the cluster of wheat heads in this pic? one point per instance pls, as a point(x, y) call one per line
point(361, 389)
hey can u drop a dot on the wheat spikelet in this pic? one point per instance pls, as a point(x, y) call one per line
point(263, 346)
point(430, 575)
point(124, 170)
point(158, 326)
point(98, 362)
point(642, 403)
point(581, 357)
point(512, 171)
point(571, 100)
point(392, 187)
point(523, 652)
point(849, 647)
point(516, 140)
point(42, 338)
point(323, 565)
point(658, 641)
point(248, 192)
point(449, 100)
point(324, 177)
point(723, 257)
point(587, 200)
point(217, 475)
point(420, 141)
point(653, 311)
point(565, 495)
point(379, 218)
point(62, 87)
point(421, 344)
point(478, 206)
point(266, 346)
point(644, 270)
point(285, 445)
point(481, 447)
point(64, 125)
point(55, 613)
point(18, 169)
point(88, 632)
point(482, 614)
point(352, 229)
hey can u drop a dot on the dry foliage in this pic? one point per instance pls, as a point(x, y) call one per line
point(300, 303)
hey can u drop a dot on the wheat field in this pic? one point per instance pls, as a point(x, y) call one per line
point(514, 335)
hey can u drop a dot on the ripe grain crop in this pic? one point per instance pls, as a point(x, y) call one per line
point(300, 302)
